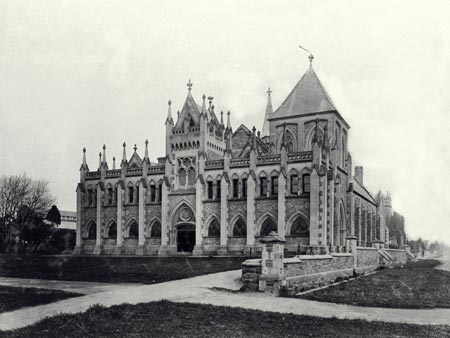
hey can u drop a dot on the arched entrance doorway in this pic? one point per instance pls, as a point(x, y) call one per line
point(185, 237)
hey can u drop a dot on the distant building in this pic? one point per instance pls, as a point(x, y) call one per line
point(68, 220)
point(218, 191)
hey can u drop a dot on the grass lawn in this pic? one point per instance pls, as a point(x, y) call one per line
point(167, 319)
point(13, 298)
point(416, 285)
point(113, 269)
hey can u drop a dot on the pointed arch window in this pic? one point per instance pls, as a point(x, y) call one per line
point(133, 231)
point(112, 231)
point(240, 228)
point(274, 185)
point(92, 230)
point(267, 227)
point(300, 228)
point(214, 229)
point(155, 232)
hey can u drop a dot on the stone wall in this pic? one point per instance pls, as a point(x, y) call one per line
point(399, 257)
point(251, 269)
point(367, 259)
point(311, 271)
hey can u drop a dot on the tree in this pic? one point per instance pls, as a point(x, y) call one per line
point(21, 200)
point(53, 215)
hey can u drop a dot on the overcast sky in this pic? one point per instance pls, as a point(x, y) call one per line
point(77, 74)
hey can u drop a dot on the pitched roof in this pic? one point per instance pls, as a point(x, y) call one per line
point(242, 142)
point(308, 96)
point(362, 191)
point(190, 109)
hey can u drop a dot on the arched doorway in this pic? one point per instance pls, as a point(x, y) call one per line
point(185, 237)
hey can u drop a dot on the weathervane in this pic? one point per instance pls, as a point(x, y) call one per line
point(310, 57)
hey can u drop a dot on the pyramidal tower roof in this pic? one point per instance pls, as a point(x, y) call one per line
point(308, 96)
point(269, 110)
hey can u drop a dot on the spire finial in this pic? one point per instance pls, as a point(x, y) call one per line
point(269, 91)
point(99, 160)
point(135, 148)
point(189, 85)
point(84, 156)
point(124, 156)
point(146, 149)
point(253, 138)
point(228, 120)
point(114, 163)
point(104, 153)
point(310, 56)
point(169, 113)
point(210, 99)
point(221, 117)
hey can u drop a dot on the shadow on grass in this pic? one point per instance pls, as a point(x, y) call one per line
point(146, 270)
point(13, 298)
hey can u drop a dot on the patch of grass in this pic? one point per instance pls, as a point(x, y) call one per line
point(167, 319)
point(114, 269)
point(416, 285)
point(13, 298)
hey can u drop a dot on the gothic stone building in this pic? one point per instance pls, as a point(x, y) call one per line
point(217, 191)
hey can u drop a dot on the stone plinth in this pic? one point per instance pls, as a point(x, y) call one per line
point(272, 267)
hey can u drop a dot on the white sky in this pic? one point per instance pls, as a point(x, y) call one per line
point(84, 73)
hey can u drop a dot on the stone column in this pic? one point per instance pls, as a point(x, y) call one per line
point(250, 249)
point(272, 264)
point(163, 250)
point(314, 208)
point(98, 241)
point(119, 238)
point(141, 221)
point(351, 247)
point(332, 214)
point(281, 206)
point(198, 249)
point(324, 213)
point(223, 217)
point(78, 245)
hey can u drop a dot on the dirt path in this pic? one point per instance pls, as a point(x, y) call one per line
point(199, 290)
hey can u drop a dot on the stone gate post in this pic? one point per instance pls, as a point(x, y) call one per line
point(272, 268)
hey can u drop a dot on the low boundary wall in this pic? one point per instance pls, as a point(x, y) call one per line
point(273, 272)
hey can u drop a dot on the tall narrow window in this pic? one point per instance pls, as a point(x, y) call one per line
point(274, 187)
point(137, 195)
point(235, 188)
point(244, 187)
point(110, 196)
point(152, 193)
point(191, 176)
point(90, 198)
point(294, 184)
point(160, 189)
point(306, 183)
point(182, 177)
point(210, 190)
point(219, 192)
point(263, 186)
point(130, 194)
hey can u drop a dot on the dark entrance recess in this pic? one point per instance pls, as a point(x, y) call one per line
point(185, 237)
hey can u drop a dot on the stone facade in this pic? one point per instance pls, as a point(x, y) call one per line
point(218, 191)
